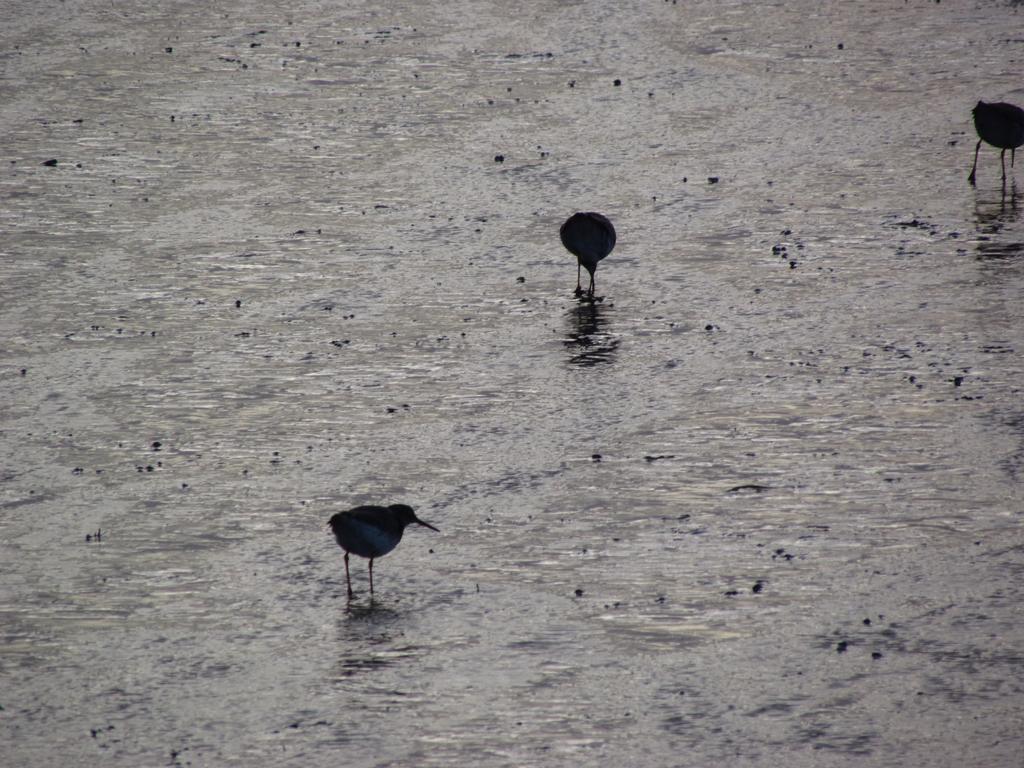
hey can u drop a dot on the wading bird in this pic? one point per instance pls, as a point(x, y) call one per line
point(1002, 126)
point(372, 532)
point(589, 237)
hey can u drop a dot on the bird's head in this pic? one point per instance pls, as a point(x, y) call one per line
point(406, 516)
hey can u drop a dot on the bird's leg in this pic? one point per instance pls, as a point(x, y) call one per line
point(578, 290)
point(371, 578)
point(590, 292)
point(348, 579)
point(975, 166)
point(1002, 162)
point(1012, 153)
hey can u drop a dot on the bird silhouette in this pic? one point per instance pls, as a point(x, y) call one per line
point(1001, 125)
point(589, 237)
point(371, 531)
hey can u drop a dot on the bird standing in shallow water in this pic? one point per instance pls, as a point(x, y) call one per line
point(371, 531)
point(589, 237)
point(1002, 126)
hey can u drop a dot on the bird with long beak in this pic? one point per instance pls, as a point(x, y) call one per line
point(371, 531)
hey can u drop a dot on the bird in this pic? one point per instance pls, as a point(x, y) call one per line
point(372, 531)
point(589, 237)
point(1001, 125)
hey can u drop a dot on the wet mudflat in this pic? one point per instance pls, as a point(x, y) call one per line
point(760, 504)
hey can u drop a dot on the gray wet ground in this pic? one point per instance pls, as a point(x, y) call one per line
point(759, 505)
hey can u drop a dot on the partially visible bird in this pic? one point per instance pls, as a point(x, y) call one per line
point(589, 237)
point(372, 531)
point(1001, 125)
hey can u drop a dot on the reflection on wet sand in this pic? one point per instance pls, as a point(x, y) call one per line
point(992, 214)
point(588, 338)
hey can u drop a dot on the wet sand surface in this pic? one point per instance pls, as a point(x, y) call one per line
point(758, 505)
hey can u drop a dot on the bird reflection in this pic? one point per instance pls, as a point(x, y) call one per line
point(588, 338)
point(991, 215)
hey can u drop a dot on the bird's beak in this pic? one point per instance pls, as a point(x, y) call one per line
point(426, 525)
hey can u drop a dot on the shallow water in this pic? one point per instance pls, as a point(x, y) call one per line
point(761, 503)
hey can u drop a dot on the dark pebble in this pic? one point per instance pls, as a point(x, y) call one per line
point(752, 487)
point(841, 646)
point(712, 179)
point(758, 587)
point(617, 82)
point(579, 593)
point(499, 158)
point(50, 163)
